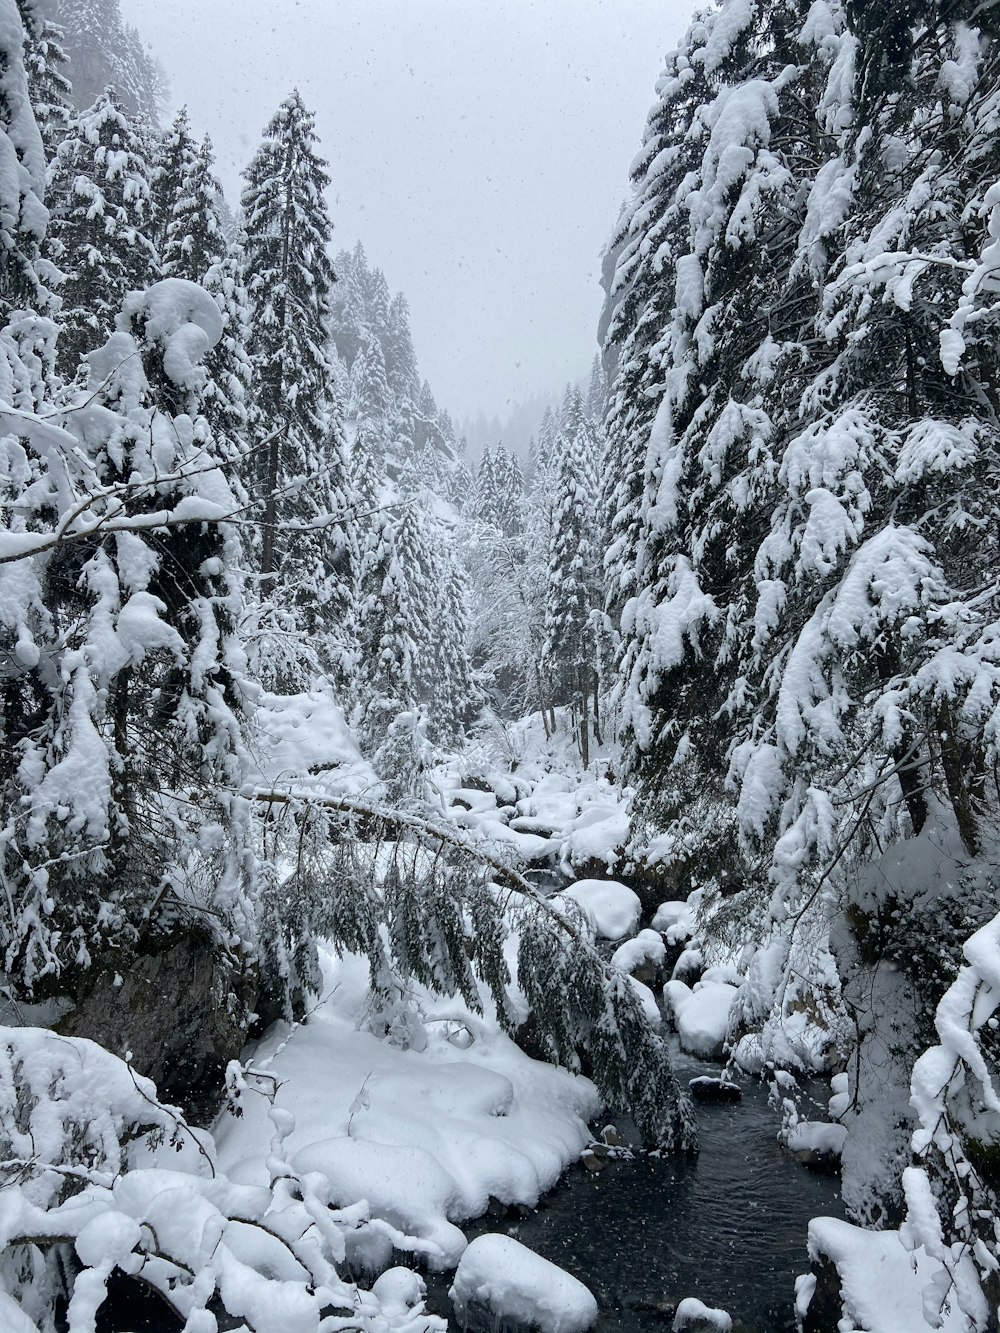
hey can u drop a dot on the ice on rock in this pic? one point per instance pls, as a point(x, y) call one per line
point(614, 908)
point(701, 1015)
point(508, 1281)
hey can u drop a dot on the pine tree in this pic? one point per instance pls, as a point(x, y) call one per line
point(228, 398)
point(22, 167)
point(289, 277)
point(99, 235)
point(400, 358)
point(174, 159)
point(104, 50)
point(45, 61)
point(455, 696)
point(371, 397)
point(597, 393)
point(127, 697)
point(574, 586)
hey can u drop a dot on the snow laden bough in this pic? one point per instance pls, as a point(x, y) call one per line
point(85, 1195)
point(422, 902)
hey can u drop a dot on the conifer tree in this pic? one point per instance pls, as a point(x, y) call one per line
point(289, 277)
point(130, 662)
point(574, 584)
point(173, 160)
point(45, 62)
point(104, 50)
point(99, 235)
point(22, 166)
point(400, 358)
point(371, 397)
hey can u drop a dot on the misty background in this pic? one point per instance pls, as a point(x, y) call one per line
point(476, 150)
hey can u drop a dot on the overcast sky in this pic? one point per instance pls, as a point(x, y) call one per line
point(479, 148)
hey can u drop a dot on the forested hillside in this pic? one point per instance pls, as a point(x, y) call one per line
point(378, 822)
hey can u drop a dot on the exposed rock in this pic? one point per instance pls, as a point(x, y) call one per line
point(179, 1005)
point(590, 1160)
point(611, 1137)
point(715, 1090)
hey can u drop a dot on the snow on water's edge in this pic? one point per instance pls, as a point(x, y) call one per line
point(427, 1137)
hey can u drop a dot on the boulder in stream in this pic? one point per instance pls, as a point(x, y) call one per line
point(500, 1281)
point(693, 1316)
point(707, 1089)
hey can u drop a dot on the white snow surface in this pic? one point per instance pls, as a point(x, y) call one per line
point(692, 1312)
point(425, 1137)
point(646, 947)
point(816, 1136)
point(701, 1015)
point(882, 1282)
point(614, 908)
point(303, 742)
point(518, 1286)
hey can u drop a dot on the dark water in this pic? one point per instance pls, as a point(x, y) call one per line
point(728, 1227)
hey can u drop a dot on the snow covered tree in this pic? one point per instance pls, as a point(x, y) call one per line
point(22, 214)
point(300, 440)
point(371, 397)
point(400, 358)
point(99, 235)
point(574, 586)
point(174, 156)
point(45, 61)
point(104, 50)
point(121, 724)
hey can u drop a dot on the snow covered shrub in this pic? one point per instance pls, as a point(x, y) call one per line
point(86, 1195)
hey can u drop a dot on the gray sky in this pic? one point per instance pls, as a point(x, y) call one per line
point(479, 148)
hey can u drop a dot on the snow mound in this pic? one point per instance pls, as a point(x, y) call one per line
point(701, 1015)
point(613, 907)
point(816, 1138)
point(881, 1282)
point(518, 1286)
point(183, 320)
point(404, 1185)
point(695, 1315)
point(647, 947)
point(675, 921)
point(426, 1136)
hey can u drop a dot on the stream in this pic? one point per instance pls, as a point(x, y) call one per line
point(728, 1227)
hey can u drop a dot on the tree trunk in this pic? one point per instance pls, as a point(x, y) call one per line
point(597, 709)
point(584, 720)
point(905, 753)
point(964, 775)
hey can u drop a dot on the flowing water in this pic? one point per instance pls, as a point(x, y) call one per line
point(728, 1227)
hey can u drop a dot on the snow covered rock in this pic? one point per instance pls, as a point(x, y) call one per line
point(882, 1283)
point(675, 921)
point(693, 1316)
point(816, 1144)
point(641, 957)
point(715, 1090)
point(701, 1015)
point(613, 907)
point(501, 1280)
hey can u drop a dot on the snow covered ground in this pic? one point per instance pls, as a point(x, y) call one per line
point(426, 1137)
